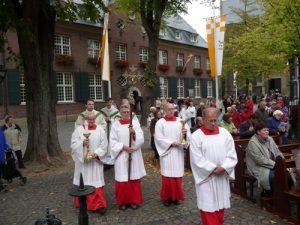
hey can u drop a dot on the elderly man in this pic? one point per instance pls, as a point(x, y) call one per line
point(87, 154)
point(261, 113)
point(126, 139)
point(168, 137)
point(213, 159)
point(111, 114)
point(99, 118)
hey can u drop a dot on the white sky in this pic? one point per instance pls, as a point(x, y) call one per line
point(196, 16)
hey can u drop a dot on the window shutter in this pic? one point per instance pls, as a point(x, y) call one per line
point(13, 86)
point(105, 89)
point(81, 86)
point(173, 87)
point(214, 88)
point(204, 88)
point(156, 88)
point(189, 83)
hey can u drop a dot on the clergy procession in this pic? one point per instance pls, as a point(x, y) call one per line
point(113, 138)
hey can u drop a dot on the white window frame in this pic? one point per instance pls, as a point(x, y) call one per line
point(163, 57)
point(144, 54)
point(180, 88)
point(163, 86)
point(209, 88)
point(62, 44)
point(121, 51)
point(177, 34)
point(198, 89)
point(179, 59)
point(65, 87)
point(193, 38)
point(207, 64)
point(93, 48)
point(197, 62)
point(96, 91)
point(22, 89)
point(162, 32)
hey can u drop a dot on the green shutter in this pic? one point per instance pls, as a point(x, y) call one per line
point(81, 86)
point(214, 88)
point(204, 88)
point(13, 86)
point(105, 89)
point(189, 83)
point(156, 88)
point(173, 87)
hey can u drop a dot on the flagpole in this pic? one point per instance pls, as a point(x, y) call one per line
point(216, 75)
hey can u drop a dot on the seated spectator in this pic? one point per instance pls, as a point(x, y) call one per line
point(261, 153)
point(236, 118)
point(276, 126)
point(247, 127)
point(228, 124)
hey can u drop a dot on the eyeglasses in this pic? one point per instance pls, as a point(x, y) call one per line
point(125, 112)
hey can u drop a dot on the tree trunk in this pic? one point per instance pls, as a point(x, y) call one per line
point(36, 44)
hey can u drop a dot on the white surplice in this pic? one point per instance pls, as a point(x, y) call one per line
point(119, 136)
point(92, 171)
point(171, 158)
point(206, 153)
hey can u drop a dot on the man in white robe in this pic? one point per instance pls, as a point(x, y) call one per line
point(213, 158)
point(91, 169)
point(128, 191)
point(111, 114)
point(168, 137)
point(99, 118)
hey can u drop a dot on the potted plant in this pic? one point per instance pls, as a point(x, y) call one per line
point(93, 60)
point(64, 59)
point(198, 71)
point(163, 67)
point(121, 63)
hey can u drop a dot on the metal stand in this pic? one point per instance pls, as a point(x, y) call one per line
point(81, 192)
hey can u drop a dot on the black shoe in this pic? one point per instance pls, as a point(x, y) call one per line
point(123, 207)
point(102, 211)
point(167, 203)
point(134, 206)
point(176, 202)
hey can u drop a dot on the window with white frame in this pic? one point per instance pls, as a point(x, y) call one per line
point(193, 38)
point(180, 88)
point(62, 45)
point(177, 34)
point(121, 51)
point(163, 57)
point(93, 48)
point(209, 88)
point(163, 84)
point(22, 89)
point(64, 85)
point(162, 32)
point(95, 87)
point(179, 59)
point(144, 56)
point(197, 62)
point(197, 88)
point(207, 64)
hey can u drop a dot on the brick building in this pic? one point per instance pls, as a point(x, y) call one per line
point(77, 77)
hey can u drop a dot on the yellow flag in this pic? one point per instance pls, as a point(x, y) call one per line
point(105, 63)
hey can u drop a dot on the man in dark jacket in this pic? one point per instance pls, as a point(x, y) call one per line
point(247, 127)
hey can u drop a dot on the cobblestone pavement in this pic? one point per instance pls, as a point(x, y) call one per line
point(23, 205)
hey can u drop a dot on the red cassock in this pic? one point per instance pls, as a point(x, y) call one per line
point(94, 201)
point(171, 188)
point(129, 192)
point(212, 218)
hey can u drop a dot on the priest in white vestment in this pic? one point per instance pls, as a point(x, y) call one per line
point(111, 114)
point(90, 165)
point(213, 158)
point(99, 118)
point(168, 137)
point(128, 191)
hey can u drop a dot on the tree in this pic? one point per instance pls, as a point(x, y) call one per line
point(34, 21)
point(152, 13)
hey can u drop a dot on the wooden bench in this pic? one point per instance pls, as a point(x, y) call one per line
point(282, 193)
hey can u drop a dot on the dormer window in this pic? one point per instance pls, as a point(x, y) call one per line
point(162, 32)
point(177, 34)
point(193, 38)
